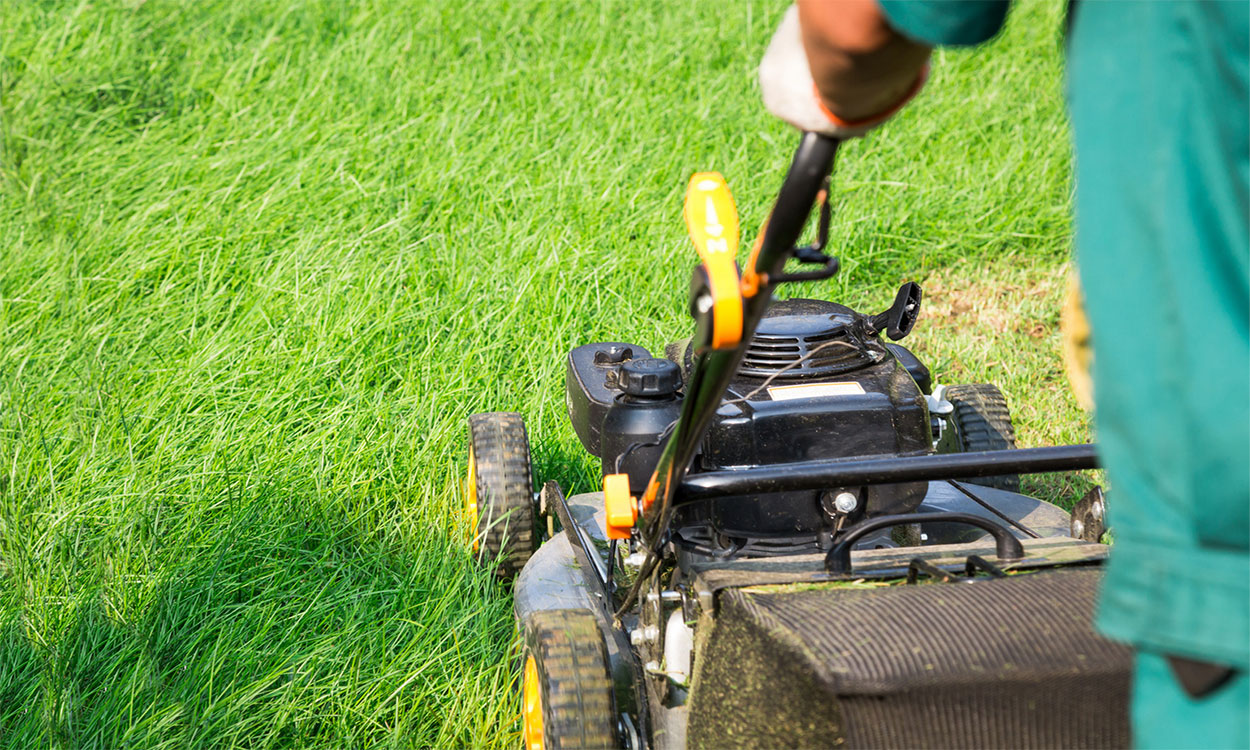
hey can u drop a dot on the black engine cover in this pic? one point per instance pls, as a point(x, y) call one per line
point(813, 384)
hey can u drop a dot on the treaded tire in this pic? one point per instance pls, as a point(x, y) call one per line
point(572, 679)
point(984, 424)
point(500, 479)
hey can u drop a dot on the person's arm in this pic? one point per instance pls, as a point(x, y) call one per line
point(862, 68)
point(844, 72)
point(842, 67)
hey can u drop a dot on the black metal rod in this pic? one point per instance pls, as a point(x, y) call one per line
point(824, 475)
point(583, 551)
point(974, 498)
point(919, 566)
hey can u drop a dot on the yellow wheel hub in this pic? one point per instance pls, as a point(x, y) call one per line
point(470, 502)
point(532, 707)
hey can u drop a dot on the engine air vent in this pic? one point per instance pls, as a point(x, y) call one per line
point(800, 339)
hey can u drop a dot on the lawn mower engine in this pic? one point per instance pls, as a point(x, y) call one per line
point(815, 383)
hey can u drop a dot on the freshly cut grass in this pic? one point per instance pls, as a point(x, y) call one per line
point(259, 261)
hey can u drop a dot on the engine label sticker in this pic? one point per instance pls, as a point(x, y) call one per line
point(814, 390)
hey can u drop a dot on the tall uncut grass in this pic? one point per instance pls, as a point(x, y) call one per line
point(259, 261)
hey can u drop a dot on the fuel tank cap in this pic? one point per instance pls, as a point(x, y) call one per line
point(651, 377)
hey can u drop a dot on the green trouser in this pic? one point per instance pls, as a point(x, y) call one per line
point(1165, 717)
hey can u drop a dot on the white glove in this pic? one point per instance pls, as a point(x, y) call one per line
point(790, 93)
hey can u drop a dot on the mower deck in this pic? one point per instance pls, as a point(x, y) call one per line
point(742, 591)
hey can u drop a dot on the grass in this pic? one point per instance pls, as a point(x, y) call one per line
point(259, 261)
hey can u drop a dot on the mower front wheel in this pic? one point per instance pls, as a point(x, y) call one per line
point(984, 424)
point(498, 495)
point(566, 690)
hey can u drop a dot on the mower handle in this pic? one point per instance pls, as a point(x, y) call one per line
point(812, 163)
point(714, 367)
point(1006, 546)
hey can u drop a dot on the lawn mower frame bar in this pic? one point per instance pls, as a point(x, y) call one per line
point(821, 475)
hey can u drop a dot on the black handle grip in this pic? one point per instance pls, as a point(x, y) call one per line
point(1006, 546)
point(813, 160)
point(828, 269)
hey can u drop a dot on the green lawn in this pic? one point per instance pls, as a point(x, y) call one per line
point(260, 260)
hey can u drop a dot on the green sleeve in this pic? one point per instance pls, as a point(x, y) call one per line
point(946, 22)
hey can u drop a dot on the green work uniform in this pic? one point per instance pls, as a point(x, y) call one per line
point(1159, 99)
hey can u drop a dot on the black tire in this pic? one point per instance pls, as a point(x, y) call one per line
point(499, 482)
point(570, 677)
point(984, 424)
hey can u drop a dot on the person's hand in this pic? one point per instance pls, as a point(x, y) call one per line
point(864, 71)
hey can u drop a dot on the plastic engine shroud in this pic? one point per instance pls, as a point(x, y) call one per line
point(813, 384)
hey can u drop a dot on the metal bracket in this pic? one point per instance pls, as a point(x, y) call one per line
point(919, 566)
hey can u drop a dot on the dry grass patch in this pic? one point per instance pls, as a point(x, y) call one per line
point(1000, 325)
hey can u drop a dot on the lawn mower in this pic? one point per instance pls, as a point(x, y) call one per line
point(802, 540)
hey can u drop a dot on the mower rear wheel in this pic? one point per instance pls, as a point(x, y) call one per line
point(498, 496)
point(984, 424)
point(566, 698)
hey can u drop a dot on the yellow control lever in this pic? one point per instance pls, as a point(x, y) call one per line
point(712, 221)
